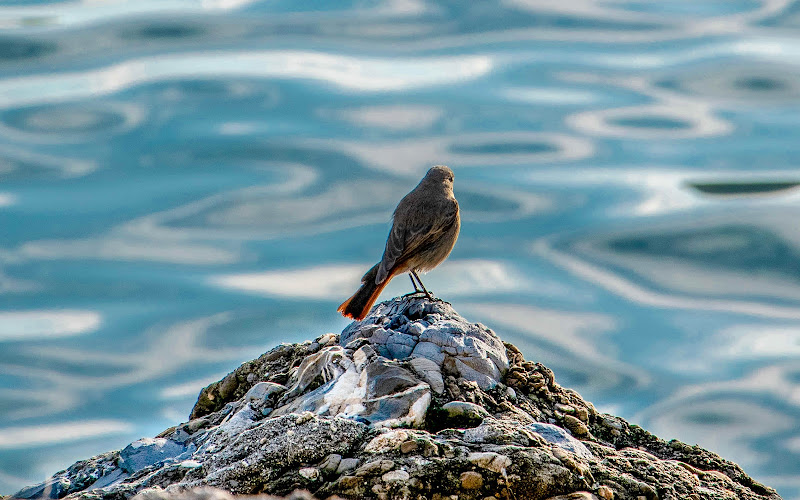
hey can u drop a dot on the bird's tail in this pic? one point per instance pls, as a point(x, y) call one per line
point(360, 303)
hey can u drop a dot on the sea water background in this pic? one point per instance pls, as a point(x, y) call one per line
point(185, 184)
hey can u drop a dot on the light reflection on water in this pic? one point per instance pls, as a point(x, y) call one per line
point(185, 184)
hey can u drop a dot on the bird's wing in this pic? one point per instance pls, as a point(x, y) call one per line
point(404, 241)
point(394, 248)
point(428, 234)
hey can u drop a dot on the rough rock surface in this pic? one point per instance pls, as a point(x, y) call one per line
point(412, 402)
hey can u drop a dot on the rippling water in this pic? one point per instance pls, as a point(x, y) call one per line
point(183, 184)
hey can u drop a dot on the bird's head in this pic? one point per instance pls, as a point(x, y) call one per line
point(440, 174)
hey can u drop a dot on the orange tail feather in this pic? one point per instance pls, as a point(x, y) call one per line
point(358, 306)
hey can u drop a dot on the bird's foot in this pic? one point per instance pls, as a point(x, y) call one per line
point(420, 294)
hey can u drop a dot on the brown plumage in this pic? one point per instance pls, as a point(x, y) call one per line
point(424, 230)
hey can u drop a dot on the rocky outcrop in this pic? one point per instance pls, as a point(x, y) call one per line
point(412, 402)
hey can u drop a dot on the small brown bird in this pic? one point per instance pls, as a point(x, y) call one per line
point(424, 230)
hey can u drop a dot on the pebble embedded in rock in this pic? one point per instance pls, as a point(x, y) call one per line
point(578, 495)
point(564, 408)
point(612, 422)
point(462, 414)
point(375, 467)
point(605, 493)
point(512, 394)
point(464, 409)
point(348, 482)
point(310, 473)
point(331, 463)
point(304, 417)
point(575, 426)
point(347, 464)
point(471, 480)
point(396, 476)
point(408, 446)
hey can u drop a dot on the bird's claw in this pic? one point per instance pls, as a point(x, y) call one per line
point(420, 293)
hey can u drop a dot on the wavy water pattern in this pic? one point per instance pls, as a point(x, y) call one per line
point(184, 184)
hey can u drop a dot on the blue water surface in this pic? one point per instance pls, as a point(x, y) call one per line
point(185, 184)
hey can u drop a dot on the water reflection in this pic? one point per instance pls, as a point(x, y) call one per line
point(693, 282)
point(70, 122)
point(203, 91)
point(752, 83)
point(190, 389)
point(751, 416)
point(716, 421)
point(726, 260)
point(743, 188)
point(458, 278)
point(394, 118)
point(61, 388)
point(156, 31)
point(351, 73)
point(576, 342)
point(319, 282)
point(29, 325)
point(673, 116)
point(16, 49)
point(19, 164)
point(122, 248)
point(758, 341)
point(37, 435)
point(507, 148)
point(186, 184)
point(74, 14)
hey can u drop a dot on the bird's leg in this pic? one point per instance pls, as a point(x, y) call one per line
point(424, 290)
point(416, 288)
point(414, 283)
